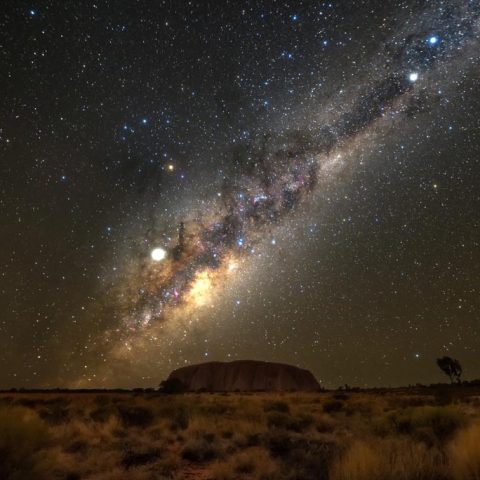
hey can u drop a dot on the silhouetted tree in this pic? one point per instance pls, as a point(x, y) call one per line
point(450, 367)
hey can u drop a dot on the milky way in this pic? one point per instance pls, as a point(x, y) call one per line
point(277, 172)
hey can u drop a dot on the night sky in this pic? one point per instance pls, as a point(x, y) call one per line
point(185, 181)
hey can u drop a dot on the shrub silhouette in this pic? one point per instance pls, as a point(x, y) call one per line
point(136, 416)
point(333, 406)
point(200, 450)
point(134, 459)
point(277, 406)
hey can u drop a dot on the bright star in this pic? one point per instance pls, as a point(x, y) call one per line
point(433, 40)
point(413, 77)
point(158, 254)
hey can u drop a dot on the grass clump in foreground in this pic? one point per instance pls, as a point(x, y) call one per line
point(261, 436)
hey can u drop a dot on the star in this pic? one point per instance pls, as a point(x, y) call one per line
point(413, 77)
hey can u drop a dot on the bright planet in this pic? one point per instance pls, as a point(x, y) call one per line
point(158, 254)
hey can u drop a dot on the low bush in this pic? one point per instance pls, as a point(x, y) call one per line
point(136, 416)
point(279, 443)
point(294, 423)
point(278, 420)
point(102, 414)
point(200, 450)
point(134, 459)
point(277, 406)
point(181, 418)
point(251, 464)
point(54, 414)
point(331, 406)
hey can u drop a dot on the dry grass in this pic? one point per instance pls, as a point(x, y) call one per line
point(391, 459)
point(464, 453)
point(292, 436)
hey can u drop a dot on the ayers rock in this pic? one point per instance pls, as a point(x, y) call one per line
point(244, 375)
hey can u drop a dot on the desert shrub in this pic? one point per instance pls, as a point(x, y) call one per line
point(54, 414)
point(252, 439)
point(303, 421)
point(136, 416)
point(278, 420)
point(304, 458)
point(325, 424)
point(209, 437)
point(362, 407)
point(134, 459)
point(331, 406)
point(254, 463)
point(22, 435)
point(306, 465)
point(102, 414)
point(77, 446)
point(167, 465)
point(277, 406)
point(244, 463)
point(181, 418)
point(248, 439)
point(200, 450)
point(294, 423)
point(464, 453)
point(279, 443)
